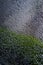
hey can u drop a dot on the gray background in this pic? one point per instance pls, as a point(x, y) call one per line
point(22, 16)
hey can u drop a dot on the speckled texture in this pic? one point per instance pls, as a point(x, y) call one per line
point(23, 16)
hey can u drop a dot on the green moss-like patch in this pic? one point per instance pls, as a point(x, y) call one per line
point(19, 49)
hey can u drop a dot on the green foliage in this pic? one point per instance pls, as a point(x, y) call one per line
point(20, 49)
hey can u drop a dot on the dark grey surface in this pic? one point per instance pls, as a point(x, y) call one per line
point(23, 16)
